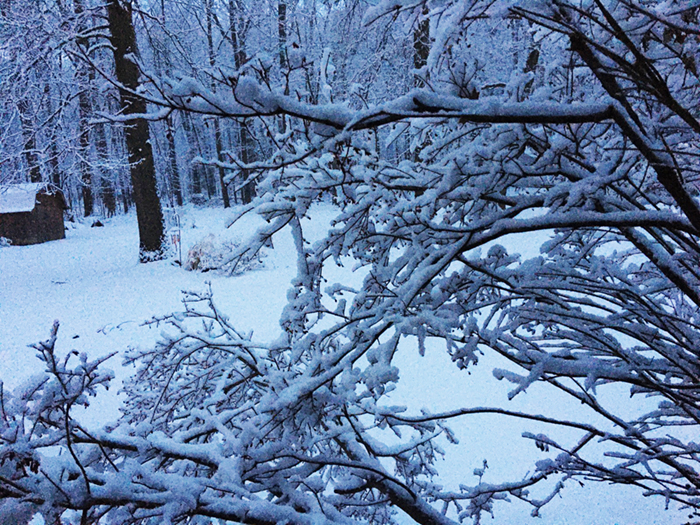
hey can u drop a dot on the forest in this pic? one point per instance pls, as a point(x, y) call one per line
point(513, 185)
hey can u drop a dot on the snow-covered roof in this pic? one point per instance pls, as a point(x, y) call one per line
point(18, 198)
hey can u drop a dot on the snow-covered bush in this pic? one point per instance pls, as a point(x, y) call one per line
point(212, 253)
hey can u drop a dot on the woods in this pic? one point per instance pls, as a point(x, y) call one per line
point(448, 136)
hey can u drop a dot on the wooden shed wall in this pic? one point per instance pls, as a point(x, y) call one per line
point(44, 223)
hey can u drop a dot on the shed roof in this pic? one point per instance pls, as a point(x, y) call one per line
point(19, 198)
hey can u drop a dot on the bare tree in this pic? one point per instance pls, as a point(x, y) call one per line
point(148, 209)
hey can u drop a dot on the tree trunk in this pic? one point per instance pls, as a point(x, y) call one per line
point(192, 137)
point(217, 128)
point(172, 153)
point(220, 169)
point(108, 199)
point(106, 181)
point(237, 34)
point(282, 32)
point(54, 168)
point(421, 46)
point(143, 179)
point(245, 140)
point(421, 51)
point(84, 110)
point(84, 153)
point(29, 147)
point(246, 145)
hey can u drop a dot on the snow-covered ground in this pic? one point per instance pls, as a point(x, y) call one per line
point(93, 284)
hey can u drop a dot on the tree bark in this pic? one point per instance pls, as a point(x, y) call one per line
point(192, 138)
point(54, 168)
point(29, 147)
point(282, 32)
point(245, 141)
point(84, 153)
point(421, 46)
point(220, 170)
point(218, 143)
point(107, 180)
point(143, 179)
point(246, 145)
point(174, 170)
point(84, 110)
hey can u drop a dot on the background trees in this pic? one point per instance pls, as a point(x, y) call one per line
point(585, 128)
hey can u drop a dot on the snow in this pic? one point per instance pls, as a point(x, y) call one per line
point(497, 439)
point(93, 284)
point(19, 198)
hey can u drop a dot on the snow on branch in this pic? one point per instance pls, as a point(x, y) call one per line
point(546, 219)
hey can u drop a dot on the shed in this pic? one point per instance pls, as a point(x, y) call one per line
point(31, 213)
